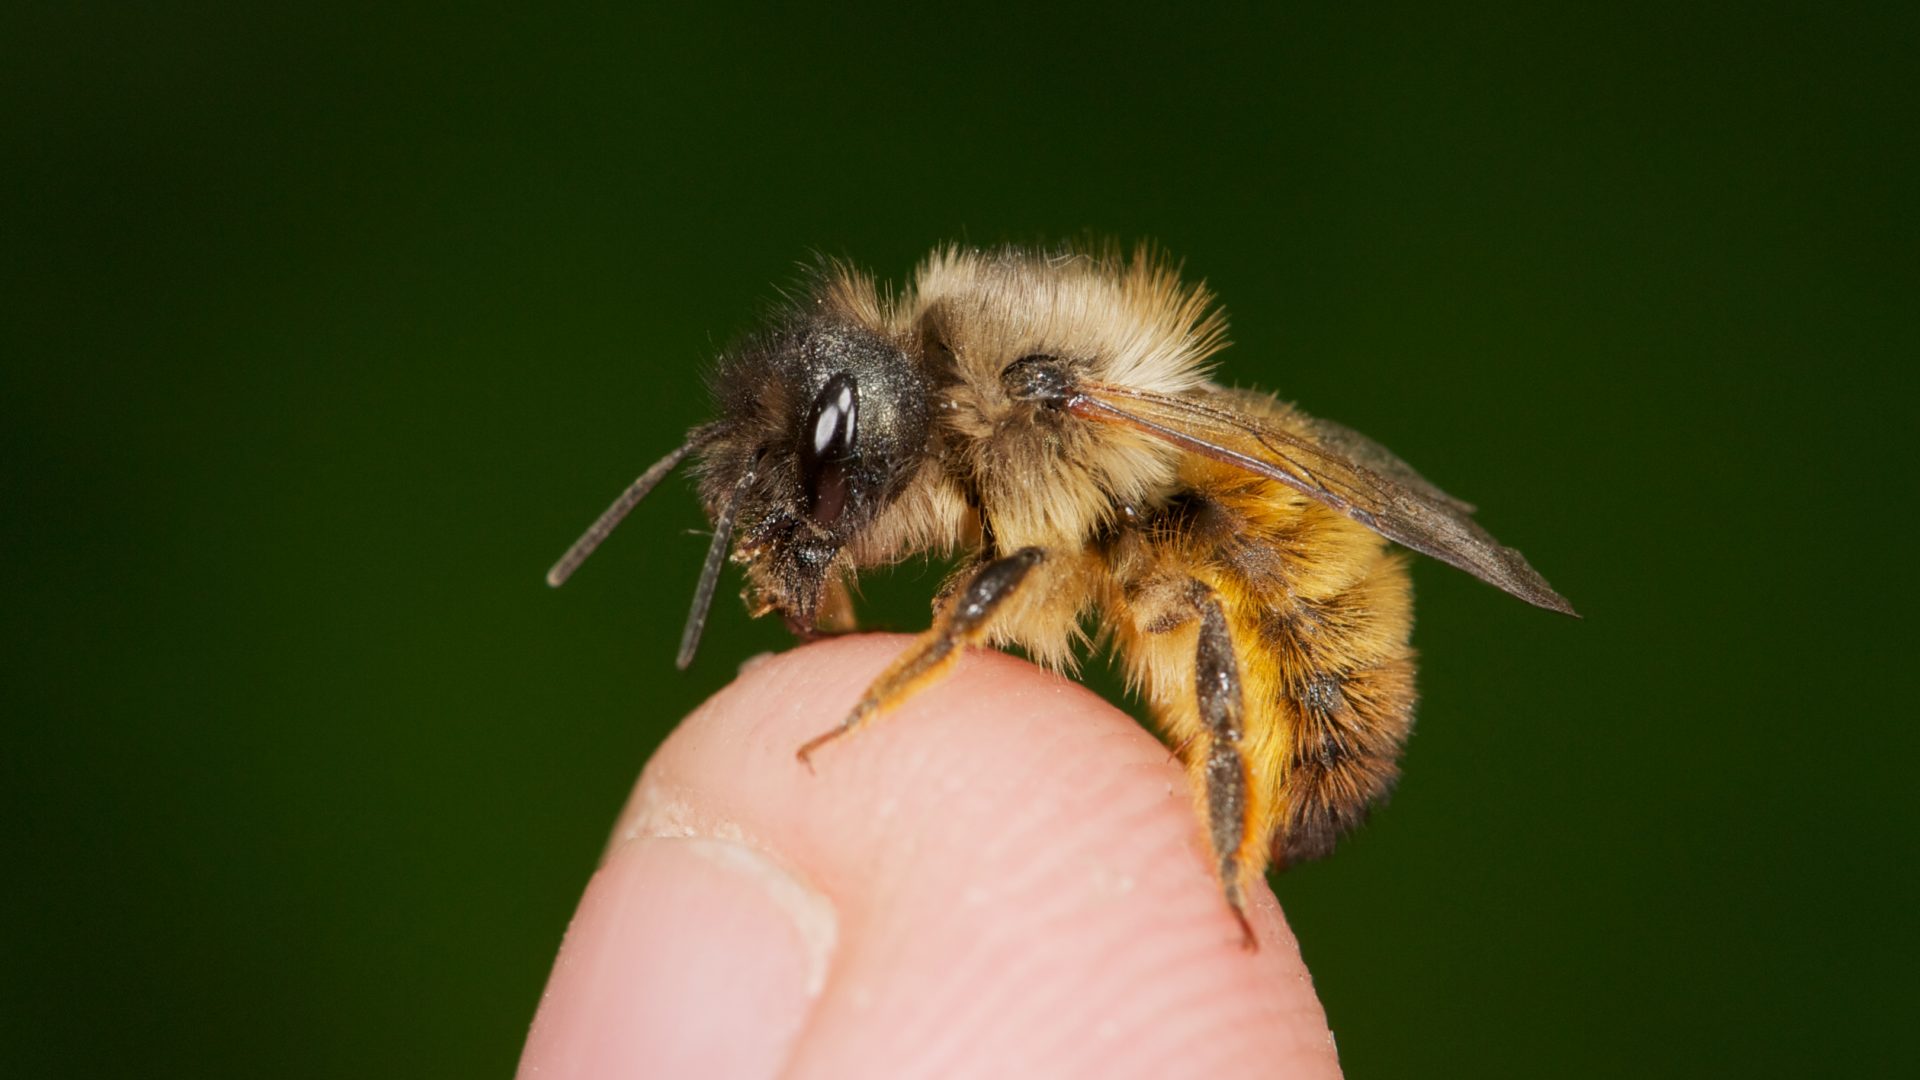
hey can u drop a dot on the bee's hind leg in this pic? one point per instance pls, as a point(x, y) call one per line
point(964, 621)
point(1223, 770)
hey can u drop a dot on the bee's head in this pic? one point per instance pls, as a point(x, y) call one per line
point(823, 418)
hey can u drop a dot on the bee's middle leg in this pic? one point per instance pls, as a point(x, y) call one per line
point(1223, 772)
point(965, 620)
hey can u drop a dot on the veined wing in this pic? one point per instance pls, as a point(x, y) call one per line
point(1333, 465)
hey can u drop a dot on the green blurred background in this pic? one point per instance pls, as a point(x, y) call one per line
point(325, 331)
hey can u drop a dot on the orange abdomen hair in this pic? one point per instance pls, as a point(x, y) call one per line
point(1319, 612)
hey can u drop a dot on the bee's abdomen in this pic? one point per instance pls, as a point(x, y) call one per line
point(1348, 732)
point(1319, 612)
point(1343, 693)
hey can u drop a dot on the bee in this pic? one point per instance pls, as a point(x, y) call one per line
point(1050, 417)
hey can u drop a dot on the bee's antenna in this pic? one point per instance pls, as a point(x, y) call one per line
point(606, 522)
point(710, 574)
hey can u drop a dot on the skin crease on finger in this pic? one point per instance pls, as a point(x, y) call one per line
point(1002, 877)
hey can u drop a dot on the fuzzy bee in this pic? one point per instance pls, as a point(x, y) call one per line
point(1048, 414)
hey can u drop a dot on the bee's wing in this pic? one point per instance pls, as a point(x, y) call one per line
point(1336, 466)
point(1343, 441)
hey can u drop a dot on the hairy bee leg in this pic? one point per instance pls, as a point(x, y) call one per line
point(961, 575)
point(964, 622)
point(1224, 774)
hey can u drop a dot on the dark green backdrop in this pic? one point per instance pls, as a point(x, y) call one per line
point(324, 332)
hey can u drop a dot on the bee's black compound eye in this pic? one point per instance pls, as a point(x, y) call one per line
point(828, 447)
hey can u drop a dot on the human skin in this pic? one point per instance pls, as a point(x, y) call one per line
point(1002, 877)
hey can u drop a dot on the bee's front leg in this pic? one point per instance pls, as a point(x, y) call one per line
point(964, 621)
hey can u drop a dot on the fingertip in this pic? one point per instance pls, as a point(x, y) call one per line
point(1013, 872)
